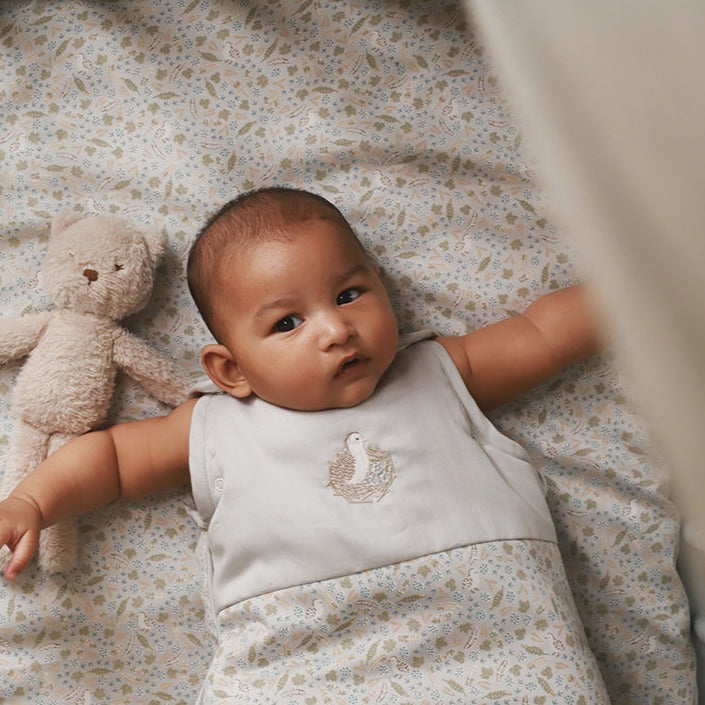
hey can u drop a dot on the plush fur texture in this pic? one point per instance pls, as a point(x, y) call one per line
point(97, 270)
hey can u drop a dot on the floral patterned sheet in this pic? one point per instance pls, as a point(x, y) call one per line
point(161, 110)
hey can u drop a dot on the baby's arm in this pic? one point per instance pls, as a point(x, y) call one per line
point(128, 460)
point(504, 359)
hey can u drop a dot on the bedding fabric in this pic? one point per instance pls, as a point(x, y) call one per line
point(160, 111)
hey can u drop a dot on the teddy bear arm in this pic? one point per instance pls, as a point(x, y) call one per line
point(19, 336)
point(145, 365)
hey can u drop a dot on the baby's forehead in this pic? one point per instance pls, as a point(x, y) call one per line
point(237, 257)
point(242, 244)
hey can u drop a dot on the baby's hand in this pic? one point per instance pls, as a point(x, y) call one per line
point(20, 523)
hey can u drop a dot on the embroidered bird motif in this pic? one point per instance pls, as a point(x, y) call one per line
point(361, 473)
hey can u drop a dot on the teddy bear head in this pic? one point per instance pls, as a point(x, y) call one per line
point(100, 264)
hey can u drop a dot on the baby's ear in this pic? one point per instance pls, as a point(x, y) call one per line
point(62, 220)
point(224, 371)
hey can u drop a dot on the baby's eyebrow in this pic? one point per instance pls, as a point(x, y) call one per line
point(351, 272)
point(283, 302)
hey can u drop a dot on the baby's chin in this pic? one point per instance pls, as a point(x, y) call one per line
point(342, 402)
point(323, 406)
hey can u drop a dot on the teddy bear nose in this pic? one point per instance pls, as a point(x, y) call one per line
point(90, 274)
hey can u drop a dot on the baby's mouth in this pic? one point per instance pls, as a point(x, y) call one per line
point(349, 365)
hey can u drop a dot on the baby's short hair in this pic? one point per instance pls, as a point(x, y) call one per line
point(249, 219)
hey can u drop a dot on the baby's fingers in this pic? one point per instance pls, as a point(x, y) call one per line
point(22, 553)
point(20, 522)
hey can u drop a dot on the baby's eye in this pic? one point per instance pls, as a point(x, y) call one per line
point(345, 297)
point(287, 323)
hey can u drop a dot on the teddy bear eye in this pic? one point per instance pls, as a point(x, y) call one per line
point(118, 267)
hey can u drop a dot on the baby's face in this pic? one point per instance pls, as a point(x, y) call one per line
point(308, 321)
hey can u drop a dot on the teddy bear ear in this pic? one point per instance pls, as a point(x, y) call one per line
point(156, 243)
point(62, 220)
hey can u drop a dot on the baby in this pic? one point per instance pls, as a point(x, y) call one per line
point(338, 448)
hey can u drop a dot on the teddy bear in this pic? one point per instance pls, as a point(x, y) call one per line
point(98, 270)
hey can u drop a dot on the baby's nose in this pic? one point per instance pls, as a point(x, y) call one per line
point(335, 330)
point(90, 274)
